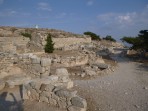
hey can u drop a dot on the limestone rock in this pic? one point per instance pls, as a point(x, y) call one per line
point(2, 84)
point(101, 65)
point(78, 102)
point(90, 72)
point(35, 60)
point(65, 93)
point(45, 62)
point(62, 72)
point(44, 99)
point(17, 80)
point(74, 108)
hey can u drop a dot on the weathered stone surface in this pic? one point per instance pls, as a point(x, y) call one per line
point(25, 93)
point(35, 60)
point(78, 102)
point(17, 80)
point(45, 74)
point(62, 103)
point(35, 85)
point(65, 93)
point(52, 101)
point(38, 68)
point(45, 62)
point(49, 87)
point(2, 84)
point(46, 94)
point(70, 84)
point(74, 108)
point(61, 72)
point(34, 94)
point(101, 65)
point(49, 79)
point(90, 72)
point(44, 99)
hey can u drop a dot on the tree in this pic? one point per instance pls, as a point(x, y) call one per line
point(92, 35)
point(108, 37)
point(138, 43)
point(49, 47)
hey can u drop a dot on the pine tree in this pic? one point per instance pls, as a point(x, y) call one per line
point(49, 47)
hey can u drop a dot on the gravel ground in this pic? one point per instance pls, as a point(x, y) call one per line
point(126, 89)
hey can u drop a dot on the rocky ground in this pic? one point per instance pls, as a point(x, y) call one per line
point(126, 89)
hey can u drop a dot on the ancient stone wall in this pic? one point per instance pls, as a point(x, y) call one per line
point(63, 42)
point(13, 44)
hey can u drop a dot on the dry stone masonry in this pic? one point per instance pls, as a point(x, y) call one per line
point(46, 77)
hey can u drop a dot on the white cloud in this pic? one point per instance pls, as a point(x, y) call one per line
point(123, 20)
point(44, 6)
point(1, 1)
point(90, 3)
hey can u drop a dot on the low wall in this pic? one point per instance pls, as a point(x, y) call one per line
point(62, 42)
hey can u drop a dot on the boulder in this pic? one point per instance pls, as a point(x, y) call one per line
point(101, 65)
point(78, 102)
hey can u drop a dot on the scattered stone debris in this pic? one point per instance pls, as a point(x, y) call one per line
point(46, 77)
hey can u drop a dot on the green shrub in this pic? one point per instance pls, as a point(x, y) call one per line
point(138, 43)
point(28, 35)
point(92, 35)
point(108, 37)
point(49, 47)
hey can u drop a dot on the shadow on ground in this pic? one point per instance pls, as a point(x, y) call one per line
point(6, 105)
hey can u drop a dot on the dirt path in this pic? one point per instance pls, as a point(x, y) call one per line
point(124, 90)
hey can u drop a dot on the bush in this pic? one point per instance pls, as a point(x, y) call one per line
point(92, 35)
point(49, 47)
point(138, 43)
point(28, 35)
point(108, 37)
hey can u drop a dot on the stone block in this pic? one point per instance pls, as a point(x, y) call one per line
point(46, 94)
point(38, 68)
point(49, 79)
point(78, 102)
point(62, 72)
point(35, 60)
point(101, 65)
point(17, 80)
point(65, 93)
point(45, 62)
point(35, 85)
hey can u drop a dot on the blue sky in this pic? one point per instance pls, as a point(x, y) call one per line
point(117, 18)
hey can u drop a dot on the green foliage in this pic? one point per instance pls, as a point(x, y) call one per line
point(28, 35)
point(138, 43)
point(49, 47)
point(92, 35)
point(108, 37)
